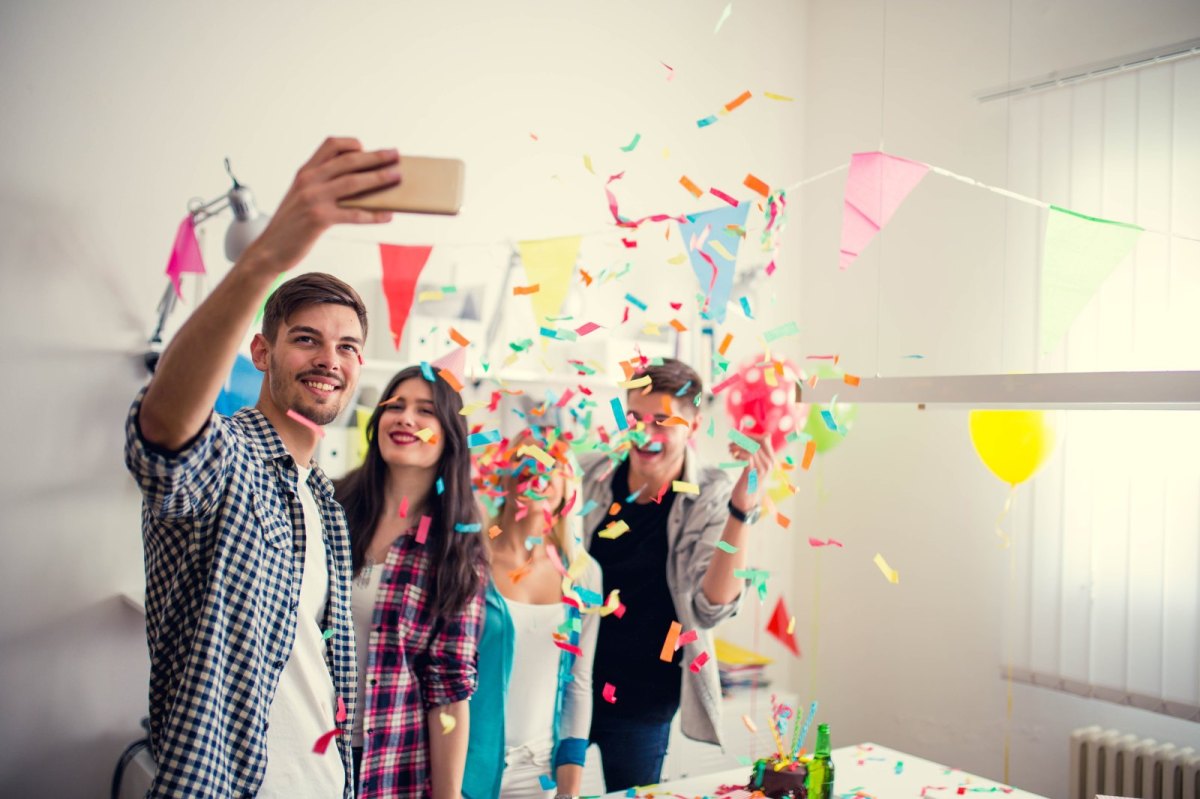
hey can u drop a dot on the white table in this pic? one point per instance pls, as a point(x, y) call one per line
point(865, 770)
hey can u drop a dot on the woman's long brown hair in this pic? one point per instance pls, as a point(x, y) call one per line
point(459, 561)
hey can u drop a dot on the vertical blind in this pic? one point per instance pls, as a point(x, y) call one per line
point(1108, 586)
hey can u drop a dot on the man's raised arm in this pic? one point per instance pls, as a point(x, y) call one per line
point(195, 364)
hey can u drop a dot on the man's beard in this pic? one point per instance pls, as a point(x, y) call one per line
point(318, 414)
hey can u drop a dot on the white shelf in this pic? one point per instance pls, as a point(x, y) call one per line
point(1056, 390)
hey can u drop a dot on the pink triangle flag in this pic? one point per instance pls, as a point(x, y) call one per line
point(185, 255)
point(875, 187)
point(455, 360)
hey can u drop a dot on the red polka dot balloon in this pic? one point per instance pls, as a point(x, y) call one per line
point(761, 404)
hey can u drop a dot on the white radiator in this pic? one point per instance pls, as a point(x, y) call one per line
point(1112, 763)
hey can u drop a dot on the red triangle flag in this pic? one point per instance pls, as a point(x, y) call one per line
point(401, 268)
point(778, 627)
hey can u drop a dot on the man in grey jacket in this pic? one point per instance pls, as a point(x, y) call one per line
point(656, 541)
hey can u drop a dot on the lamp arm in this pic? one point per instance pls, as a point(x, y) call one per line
point(201, 213)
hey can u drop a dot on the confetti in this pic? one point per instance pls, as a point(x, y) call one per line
point(587, 163)
point(494, 531)
point(644, 380)
point(891, 574)
point(723, 196)
point(632, 300)
point(309, 423)
point(725, 546)
point(586, 327)
point(698, 662)
point(637, 137)
point(448, 722)
point(619, 413)
point(451, 379)
point(482, 439)
point(614, 530)
point(788, 329)
point(609, 693)
point(735, 102)
point(745, 303)
point(423, 529)
point(681, 487)
point(757, 186)
point(750, 725)
point(704, 123)
point(668, 647)
point(851, 380)
point(695, 190)
point(725, 342)
point(323, 742)
point(327, 634)
point(459, 527)
point(781, 97)
point(403, 507)
point(459, 338)
point(744, 441)
point(547, 782)
point(520, 290)
point(724, 16)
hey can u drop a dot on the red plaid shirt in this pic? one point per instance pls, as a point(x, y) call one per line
point(415, 663)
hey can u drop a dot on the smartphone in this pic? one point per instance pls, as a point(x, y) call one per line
point(427, 186)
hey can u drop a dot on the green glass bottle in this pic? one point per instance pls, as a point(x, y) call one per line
point(820, 768)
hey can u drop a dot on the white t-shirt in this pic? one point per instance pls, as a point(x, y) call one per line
point(362, 608)
point(305, 704)
point(529, 707)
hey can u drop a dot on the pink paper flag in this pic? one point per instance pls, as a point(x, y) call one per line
point(185, 254)
point(875, 187)
point(401, 268)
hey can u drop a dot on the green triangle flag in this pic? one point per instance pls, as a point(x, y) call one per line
point(1080, 253)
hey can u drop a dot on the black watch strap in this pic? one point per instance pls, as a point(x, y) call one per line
point(747, 517)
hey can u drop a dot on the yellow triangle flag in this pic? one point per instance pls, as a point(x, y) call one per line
point(549, 263)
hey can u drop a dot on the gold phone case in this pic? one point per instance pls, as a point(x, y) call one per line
point(427, 186)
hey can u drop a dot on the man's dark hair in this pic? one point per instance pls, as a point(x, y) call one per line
point(674, 376)
point(309, 289)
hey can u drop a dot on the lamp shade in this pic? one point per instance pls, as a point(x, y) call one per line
point(248, 222)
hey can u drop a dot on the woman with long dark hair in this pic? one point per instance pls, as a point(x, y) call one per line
point(420, 564)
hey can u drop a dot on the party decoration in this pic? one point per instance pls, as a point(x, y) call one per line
point(778, 627)
point(1012, 444)
point(401, 268)
point(817, 427)
point(549, 263)
point(713, 269)
point(759, 402)
point(1078, 255)
point(876, 185)
point(185, 254)
point(241, 388)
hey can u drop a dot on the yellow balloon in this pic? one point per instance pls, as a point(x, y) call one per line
point(1012, 444)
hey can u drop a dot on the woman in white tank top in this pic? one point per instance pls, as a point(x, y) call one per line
point(531, 713)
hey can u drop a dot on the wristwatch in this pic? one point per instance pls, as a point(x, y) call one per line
point(745, 517)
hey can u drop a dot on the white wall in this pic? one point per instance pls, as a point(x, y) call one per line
point(916, 666)
point(115, 114)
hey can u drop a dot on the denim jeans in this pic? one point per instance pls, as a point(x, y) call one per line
point(631, 750)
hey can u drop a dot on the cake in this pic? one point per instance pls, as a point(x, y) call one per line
point(780, 778)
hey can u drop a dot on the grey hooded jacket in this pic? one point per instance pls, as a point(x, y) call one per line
point(693, 529)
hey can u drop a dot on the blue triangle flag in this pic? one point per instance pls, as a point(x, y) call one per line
point(716, 252)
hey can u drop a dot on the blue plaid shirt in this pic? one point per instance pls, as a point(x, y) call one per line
point(222, 530)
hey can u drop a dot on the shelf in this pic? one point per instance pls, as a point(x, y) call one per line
point(1058, 390)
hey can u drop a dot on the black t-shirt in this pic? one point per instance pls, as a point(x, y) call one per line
point(627, 652)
